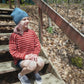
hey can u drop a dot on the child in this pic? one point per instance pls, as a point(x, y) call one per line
point(24, 46)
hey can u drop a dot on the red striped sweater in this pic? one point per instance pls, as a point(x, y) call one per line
point(21, 45)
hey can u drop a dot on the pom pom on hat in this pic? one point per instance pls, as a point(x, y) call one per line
point(18, 15)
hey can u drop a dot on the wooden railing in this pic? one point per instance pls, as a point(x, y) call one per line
point(17, 3)
point(72, 32)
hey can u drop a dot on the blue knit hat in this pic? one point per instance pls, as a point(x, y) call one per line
point(18, 15)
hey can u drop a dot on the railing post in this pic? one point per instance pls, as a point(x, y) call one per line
point(17, 3)
point(40, 25)
point(49, 19)
point(10, 4)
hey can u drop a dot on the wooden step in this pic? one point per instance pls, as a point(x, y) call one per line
point(6, 29)
point(6, 9)
point(47, 79)
point(4, 48)
point(5, 34)
point(51, 79)
point(9, 25)
point(6, 67)
point(9, 66)
point(5, 16)
point(17, 83)
point(4, 38)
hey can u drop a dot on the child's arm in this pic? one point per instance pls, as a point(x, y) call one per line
point(13, 48)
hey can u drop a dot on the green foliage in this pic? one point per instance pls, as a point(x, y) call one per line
point(58, 1)
point(50, 29)
point(78, 61)
point(24, 2)
point(12, 1)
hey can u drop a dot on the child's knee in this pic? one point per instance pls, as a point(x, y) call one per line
point(32, 66)
point(40, 62)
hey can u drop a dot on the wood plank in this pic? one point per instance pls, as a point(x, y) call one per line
point(6, 9)
point(6, 67)
point(40, 26)
point(46, 79)
point(5, 16)
point(51, 79)
point(75, 35)
point(4, 48)
point(5, 25)
point(5, 34)
point(4, 38)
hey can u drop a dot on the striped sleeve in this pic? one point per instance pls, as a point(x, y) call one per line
point(37, 46)
point(13, 48)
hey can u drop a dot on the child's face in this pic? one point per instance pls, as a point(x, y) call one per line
point(25, 22)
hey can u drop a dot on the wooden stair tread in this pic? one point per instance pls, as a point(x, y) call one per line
point(47, 79)
point(6, 9)
point(5, 34)
point(51, 79)
point(5, 16)
point(4, 38)
point(5, 25)
point(16, 83)
point(9, 66)
point(4, 48)
point(6, 67)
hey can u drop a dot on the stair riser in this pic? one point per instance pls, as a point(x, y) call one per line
point(5, 56)
point(7, 25)
point(5, 13)
point(8, 18)
point(5, 42)
point(5, 30)
point(9, 78)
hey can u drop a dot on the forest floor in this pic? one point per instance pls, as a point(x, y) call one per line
point(59, 47)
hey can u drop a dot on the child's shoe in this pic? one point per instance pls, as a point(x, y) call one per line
point(38, 78)
point(23, 79)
